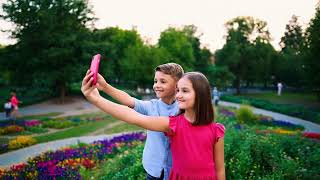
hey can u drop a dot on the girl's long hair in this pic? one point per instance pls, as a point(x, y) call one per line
point(204, 113)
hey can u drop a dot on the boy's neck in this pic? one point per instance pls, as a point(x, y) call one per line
point(168, 100)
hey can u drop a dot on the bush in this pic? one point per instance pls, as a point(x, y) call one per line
point(21, 141)
point(245, 115)
point(12, 129)
point(128, 165)
point(36, 129)
point(57, 124)
point(269, 156)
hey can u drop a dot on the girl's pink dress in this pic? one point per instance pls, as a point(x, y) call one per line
point(192, 148)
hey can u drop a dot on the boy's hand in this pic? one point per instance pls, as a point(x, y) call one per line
point(101, 82)
point(89, 91)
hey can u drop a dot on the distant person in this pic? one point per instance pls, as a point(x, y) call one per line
point(15, 105)
point(8, 108)
point(279, 88)
point(215, 94)
point(148, 91)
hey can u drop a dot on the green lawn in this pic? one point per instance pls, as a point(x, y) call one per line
point(39, 116)
point(73, 132)
point(307, 100)
point(125, 127)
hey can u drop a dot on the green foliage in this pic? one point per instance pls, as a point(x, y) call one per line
point(250, 156)
point(247, 36)
point(313, 53)
point(58, 124)
point(245, 114)
point(219, 76)
point(112, 43)
point(139, 63)
point(127, 165)
point(50, 35)
point(36, 129)
point(179, 46)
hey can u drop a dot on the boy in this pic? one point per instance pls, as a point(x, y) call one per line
point(156, 154)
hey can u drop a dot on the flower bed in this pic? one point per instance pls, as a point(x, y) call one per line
point(31, 123)
point(65, 163)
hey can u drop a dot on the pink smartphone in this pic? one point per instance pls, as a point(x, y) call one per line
point(95, 68)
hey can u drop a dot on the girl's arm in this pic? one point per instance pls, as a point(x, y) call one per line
point(219, 159)
point(121, 112)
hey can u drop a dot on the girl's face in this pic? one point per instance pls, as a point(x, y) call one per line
point(164, 85)
point(185, 94)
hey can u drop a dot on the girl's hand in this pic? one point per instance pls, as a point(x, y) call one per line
point(101, 82)
point(89, 91)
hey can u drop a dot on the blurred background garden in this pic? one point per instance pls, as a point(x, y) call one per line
point(54, 41)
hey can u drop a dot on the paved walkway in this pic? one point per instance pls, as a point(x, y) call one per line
point(309, 126)
point(73, 106)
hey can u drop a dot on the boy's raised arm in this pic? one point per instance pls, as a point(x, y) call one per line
point(121, 96)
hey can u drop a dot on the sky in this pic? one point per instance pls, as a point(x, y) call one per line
point(151, 17)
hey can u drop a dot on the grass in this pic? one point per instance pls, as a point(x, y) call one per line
point(39, 116)
point(74, 131)
point(125, 127)
point(308, 100)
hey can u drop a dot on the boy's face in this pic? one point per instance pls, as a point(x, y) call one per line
point(164, 85)
point(186, 94)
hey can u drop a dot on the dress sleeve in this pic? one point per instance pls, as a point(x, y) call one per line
point(172, 126)
point(219, 130)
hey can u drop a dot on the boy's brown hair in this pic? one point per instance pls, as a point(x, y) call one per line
point(172, 69)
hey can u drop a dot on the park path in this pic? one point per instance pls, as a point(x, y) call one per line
point(74, 106)
point(309, 126)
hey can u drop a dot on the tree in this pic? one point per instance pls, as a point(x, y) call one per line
point(313, 47)
point(219, 76)
point(178, 44)
point(50, 34)
point(113, 43)
point(238, 54)
point(293, 40)
point(140, 61)
point(291, 65)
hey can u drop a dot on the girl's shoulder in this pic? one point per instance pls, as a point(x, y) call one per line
point(218, 129)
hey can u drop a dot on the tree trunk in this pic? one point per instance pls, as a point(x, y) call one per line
point(61, 85)
point(238, 85)
point(62, 93)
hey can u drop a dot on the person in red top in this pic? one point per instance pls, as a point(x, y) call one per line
point(15, 105)
point(196, 141)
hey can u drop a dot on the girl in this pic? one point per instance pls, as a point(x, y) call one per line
point(196, 142)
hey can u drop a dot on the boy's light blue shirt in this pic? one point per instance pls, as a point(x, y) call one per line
point(156, 153)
